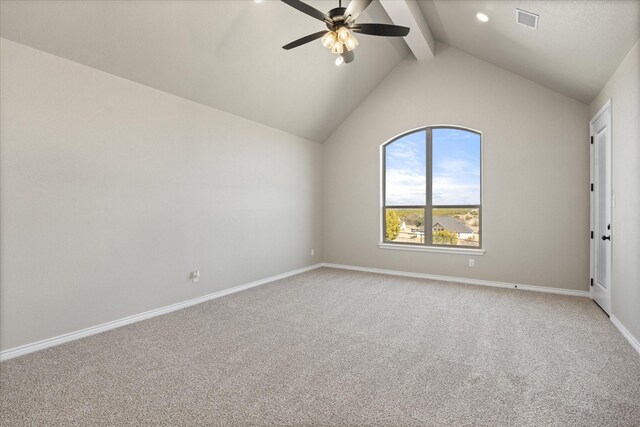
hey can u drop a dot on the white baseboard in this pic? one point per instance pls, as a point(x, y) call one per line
point(632, 340)
point(60, 339)
point(462, 280)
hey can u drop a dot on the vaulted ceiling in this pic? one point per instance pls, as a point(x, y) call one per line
point(227, 54)
point(576, 48)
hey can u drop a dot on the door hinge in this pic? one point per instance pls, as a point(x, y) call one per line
point(592, 139)
point(591, 187)
point(592, 234)
point(591, 282)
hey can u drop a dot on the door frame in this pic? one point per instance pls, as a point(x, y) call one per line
point(592, 202)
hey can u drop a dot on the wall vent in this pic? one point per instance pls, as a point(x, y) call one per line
point(527, 19)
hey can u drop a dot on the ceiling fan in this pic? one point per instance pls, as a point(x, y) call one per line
point(341, 25)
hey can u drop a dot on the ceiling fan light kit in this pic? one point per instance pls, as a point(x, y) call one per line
point(341, 25)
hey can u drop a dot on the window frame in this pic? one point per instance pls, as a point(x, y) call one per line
point(428, 207)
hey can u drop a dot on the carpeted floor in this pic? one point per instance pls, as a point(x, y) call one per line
point(333, 347)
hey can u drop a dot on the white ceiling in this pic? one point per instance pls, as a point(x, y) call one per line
point(227, 54)
point(576, 48)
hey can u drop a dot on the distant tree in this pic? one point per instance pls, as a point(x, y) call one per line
point(419, 221)
point(408, 215)
point(393, 225)
point(445, 237)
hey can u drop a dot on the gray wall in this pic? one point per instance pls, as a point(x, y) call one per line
point(536, 172)
point(624, 91)
point(112, 192)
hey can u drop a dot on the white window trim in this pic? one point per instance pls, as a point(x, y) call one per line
point(416, 248)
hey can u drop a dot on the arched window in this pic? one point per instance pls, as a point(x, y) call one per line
point(432, 188)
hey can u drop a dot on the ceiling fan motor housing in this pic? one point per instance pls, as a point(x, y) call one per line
point(337, 18)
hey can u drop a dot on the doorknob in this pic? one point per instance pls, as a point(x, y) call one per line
point(606, 237)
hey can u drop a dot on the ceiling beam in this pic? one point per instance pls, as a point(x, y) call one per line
point(408, 14)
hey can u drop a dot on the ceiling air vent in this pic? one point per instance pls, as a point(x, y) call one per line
point(527, 19)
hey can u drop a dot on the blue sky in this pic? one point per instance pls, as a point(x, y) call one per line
point(456, 168)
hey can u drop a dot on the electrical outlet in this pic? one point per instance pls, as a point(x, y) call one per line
point(195, 276)
point(313, 252)
point(472, 262)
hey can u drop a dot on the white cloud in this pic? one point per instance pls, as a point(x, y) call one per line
point(447, 191)
point(405, 154)
point(408, 188)
point(402, 154)
point(450, 167)
point(456, 182)
point(405, 187)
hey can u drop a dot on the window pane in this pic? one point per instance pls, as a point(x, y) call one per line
point(456, 167)
point(405, 161)
point(456, 226)
point(404, 225)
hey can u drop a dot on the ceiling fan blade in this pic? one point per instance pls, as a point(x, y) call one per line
point(305, 8)
point(348, 56)
point(355, 8)
point(381, 30)
point(305, 39)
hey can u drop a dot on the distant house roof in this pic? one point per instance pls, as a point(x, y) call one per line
point(451, 224)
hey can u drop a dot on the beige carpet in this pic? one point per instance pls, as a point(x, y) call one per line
point(333, 347)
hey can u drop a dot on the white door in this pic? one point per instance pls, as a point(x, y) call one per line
point(601, 208)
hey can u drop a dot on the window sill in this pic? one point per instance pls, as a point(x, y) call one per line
point(460, 251)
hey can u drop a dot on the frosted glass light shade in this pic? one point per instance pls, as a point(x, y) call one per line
point(343, 34)
point(351, 43)
point(328, 39)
